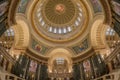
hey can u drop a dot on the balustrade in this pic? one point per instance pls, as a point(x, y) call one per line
point(8, 76)
point(111, 76)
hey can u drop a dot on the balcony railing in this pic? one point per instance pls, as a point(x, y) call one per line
point(60, 75)
point(111, 76)
point(8, 76)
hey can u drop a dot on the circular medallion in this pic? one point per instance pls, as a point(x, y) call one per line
point(59, 8)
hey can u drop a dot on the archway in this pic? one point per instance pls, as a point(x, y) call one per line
point(59, 53)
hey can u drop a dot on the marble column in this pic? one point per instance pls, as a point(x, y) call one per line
point(110, 66)
point(25, 69)
point(9, 67)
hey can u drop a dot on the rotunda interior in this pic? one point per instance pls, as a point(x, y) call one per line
point(59, 40)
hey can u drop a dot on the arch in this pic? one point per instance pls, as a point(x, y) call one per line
point(59, 53)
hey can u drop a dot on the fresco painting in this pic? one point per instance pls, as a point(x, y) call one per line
point(38, 48)
point(97, 7)
point(22, 6)
point(81, 47)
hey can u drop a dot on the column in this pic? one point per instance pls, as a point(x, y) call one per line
point(43, 73)
point(95, 65)
point(9, 67)
point(2, 76)
point(27, 68)
point(15, 78)
point(92, 68)
point(83, 72)
point(102, 65)
point(52, 78)
point(68, 78)
point(25, 72)
point(38, 72)
point(1, 59)
point(109, 66)
point(76, 72)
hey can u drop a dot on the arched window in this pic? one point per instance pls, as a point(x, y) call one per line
point(111, 37)
point(9, 32)
point(69, 29)
point(60, 60)
point(110, 32)
point(7, 39)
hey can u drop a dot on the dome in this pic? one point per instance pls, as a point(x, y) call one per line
point(58, 20)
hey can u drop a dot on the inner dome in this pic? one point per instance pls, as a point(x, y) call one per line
point(58, 19)
point(57, 10)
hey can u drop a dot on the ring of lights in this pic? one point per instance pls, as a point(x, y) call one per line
point(55, 26)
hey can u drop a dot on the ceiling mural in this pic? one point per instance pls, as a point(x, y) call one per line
point(55, 11)
point(59, 20)
point(36, 46)
point(22, 6)
point(97, 7)
point(83, 46)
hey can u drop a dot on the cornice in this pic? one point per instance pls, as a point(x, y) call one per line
point(40, 59)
